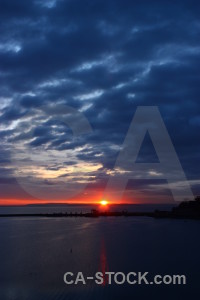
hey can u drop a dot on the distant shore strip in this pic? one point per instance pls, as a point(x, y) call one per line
point(96, 214)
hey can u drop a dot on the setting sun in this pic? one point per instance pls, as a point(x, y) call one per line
point(104, 202)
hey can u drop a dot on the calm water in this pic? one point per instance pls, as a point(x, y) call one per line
point(36, 252)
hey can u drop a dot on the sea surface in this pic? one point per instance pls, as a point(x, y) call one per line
point(36, 252)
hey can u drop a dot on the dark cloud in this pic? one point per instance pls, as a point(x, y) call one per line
point(30, 101)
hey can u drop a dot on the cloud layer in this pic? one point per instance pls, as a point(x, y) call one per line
point(104, 59)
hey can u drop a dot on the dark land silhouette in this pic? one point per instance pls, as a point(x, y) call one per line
point(185, 210)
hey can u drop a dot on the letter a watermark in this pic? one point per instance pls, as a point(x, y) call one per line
point(148, 119)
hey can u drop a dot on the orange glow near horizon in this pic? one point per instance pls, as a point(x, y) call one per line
point(17, 202)
point(22, 202)
point(92, 200)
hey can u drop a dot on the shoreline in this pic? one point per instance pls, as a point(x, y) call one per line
point(96, 214)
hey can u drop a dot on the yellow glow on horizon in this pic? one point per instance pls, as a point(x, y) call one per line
point(104, 202)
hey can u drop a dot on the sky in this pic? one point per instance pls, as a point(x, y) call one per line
point(72, 75)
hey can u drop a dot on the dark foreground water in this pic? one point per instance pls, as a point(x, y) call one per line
point(36, 252)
